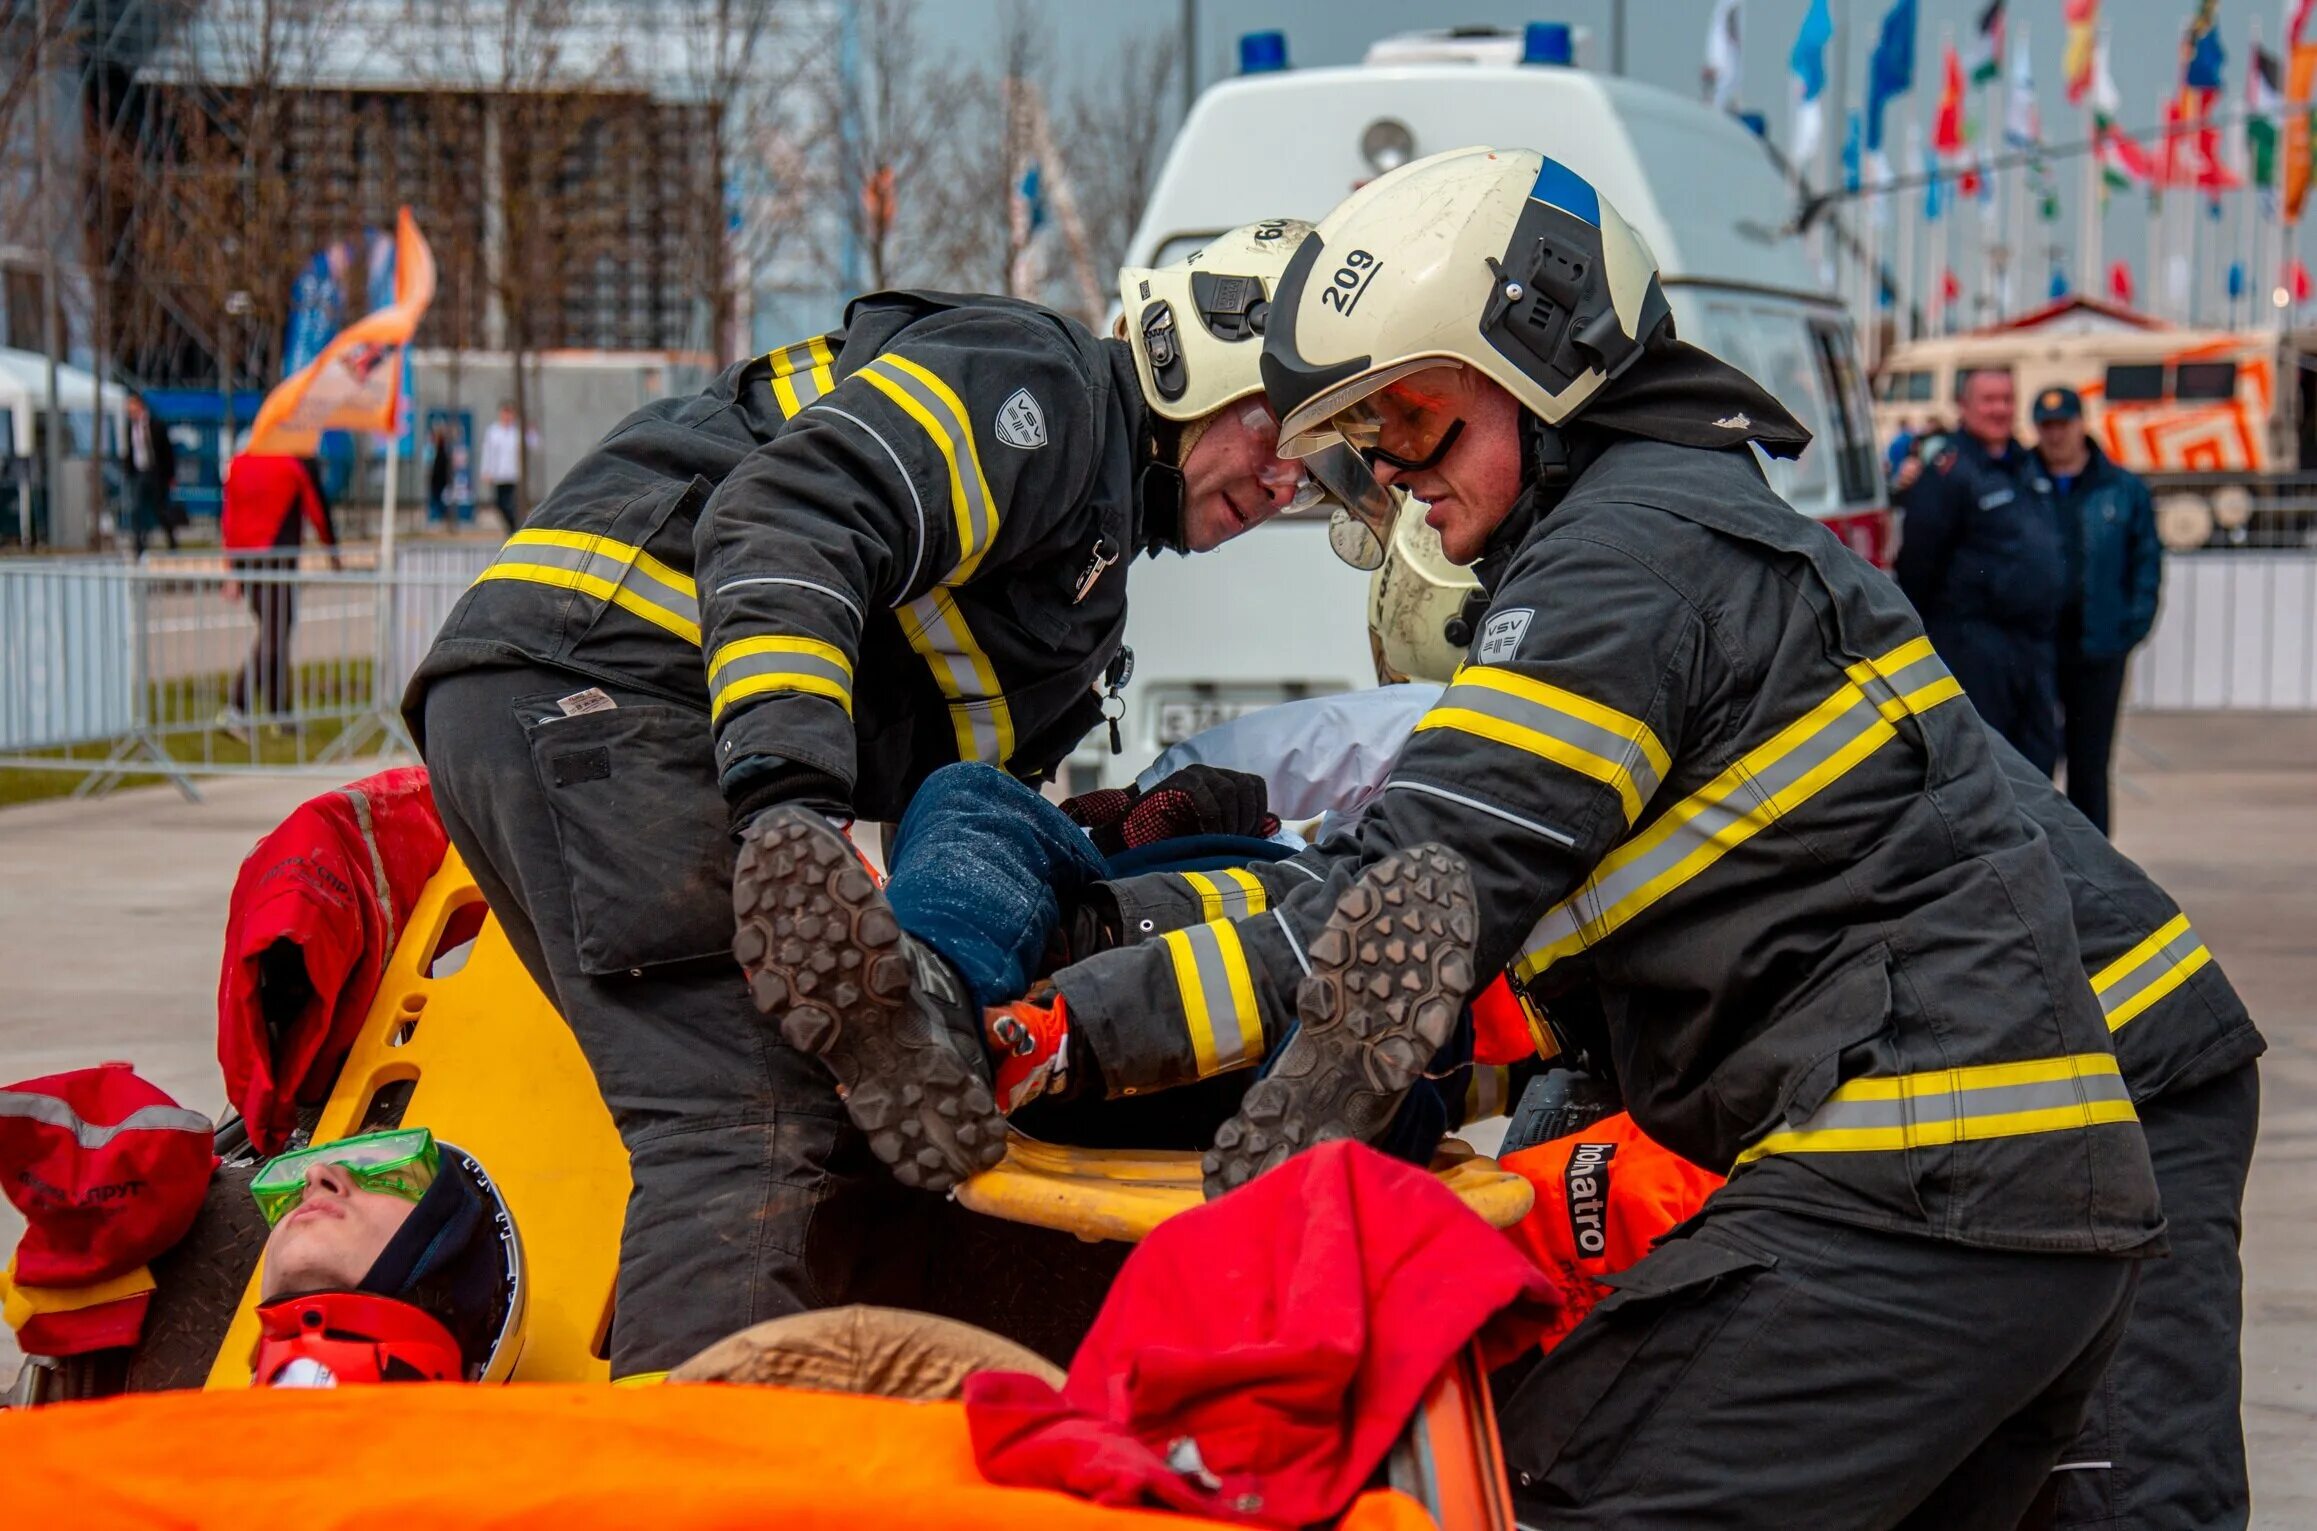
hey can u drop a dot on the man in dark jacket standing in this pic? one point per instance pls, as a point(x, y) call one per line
point(2115, 566)
point(152, 470)
point(838, 567)
point(1982, 558)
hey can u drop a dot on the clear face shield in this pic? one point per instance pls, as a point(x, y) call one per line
point(1406, 421)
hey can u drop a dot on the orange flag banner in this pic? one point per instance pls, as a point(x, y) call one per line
point(2298, 80)
point(355, 384)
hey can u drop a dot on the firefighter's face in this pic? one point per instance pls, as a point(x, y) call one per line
point(332, 1237)
point(1234, 477)
point(1467, 480)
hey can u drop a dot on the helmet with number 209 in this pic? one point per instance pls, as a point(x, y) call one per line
point(1497, 259)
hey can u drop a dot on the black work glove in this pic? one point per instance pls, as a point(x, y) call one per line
point(1196, 800)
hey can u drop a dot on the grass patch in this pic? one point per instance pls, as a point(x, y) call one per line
point(185, 713)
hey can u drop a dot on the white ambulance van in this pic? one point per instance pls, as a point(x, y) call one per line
point(1274, 615)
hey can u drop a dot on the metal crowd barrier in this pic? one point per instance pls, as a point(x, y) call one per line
point(188, 665)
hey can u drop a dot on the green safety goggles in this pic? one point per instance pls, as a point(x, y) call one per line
point(401, 1162)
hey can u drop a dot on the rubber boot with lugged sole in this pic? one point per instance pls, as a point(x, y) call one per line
point(828, 961)
point(1388, 978)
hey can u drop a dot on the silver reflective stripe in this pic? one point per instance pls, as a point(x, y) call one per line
point(378, 880)
point(832, 593)
point(732, 671)
point(1233, 1044)
point(612, 562)
point(1576, 732)
point(1224, 895)
point(54, 1112)
point(1293, 945)
point(959, 449)
point(1702, 830)
point(2151, 970)
point(917, 553)
point(1905, 681)
point(1474, 803)
point(1935, 1110)
point(975, 712)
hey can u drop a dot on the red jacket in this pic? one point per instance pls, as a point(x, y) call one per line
point(262, 492)
point(336, 881)
point(1604, 1197)
point(1258, 1355)
point(108, 1172)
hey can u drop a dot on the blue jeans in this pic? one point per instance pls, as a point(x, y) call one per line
point(978, 870)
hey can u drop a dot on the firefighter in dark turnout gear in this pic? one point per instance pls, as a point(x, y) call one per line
point(2164, 1444)
point(1983, 558)
point(838, 567)
point(1704, 761)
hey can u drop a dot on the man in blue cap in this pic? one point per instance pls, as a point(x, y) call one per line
point(2115, 564)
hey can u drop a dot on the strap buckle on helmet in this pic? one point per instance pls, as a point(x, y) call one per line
point(1165, 351)
point(326, 1339)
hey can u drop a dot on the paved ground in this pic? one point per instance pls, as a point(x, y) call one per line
point(111, 914)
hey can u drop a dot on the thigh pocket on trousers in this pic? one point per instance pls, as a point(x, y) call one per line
point(1570, 1420)
point(643, 835)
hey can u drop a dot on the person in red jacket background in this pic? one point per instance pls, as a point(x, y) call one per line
point(269, 499)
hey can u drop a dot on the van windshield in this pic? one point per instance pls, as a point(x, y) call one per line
point(1774, 346)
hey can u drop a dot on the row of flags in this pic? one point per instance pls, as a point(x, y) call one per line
point(2293, 277)
point(2187, 153)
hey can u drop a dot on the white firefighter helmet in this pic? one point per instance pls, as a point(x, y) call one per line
point(1420, 606)
point(1197, 325)
point(1500, 259)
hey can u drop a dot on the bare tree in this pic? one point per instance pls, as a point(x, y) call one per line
point(986, 229)
point(885, 124)
point(1120, 127)
point(744, 62)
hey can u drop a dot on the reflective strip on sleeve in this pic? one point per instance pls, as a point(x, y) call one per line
point(1218, 995)
point(626, 576)
point(2149, 971)
point(1767, 783)
point(1489, 1093)
point(937, 630)
point(936, 408)
point(1228, 894)
point(800, 374)
point(750, 667)
point(1570, 730)
point(1963, 1105)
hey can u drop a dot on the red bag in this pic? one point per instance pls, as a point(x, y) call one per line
point(1257, 1356)
point(336, 881)
point(107, 1170)
point(1605, 1196)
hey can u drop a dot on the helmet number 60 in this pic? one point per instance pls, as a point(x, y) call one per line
point(1350, 281)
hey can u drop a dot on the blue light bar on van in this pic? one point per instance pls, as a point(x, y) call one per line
point(1548, 42)
point(1262, 52)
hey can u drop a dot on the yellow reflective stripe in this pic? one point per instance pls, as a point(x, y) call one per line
point(1218, 996)
point(1545, 720)
point(1946, 1106)
point(2149, 971)
point(640, 1379)
point(971, 506)
point(1237, 894)
point(978, 713)
point(602, 589)
point(807, 360)
point(1765, 784)
point(750, 667)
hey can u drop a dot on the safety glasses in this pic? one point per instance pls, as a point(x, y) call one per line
point(1401, 424)
point(1279, 472)
point(401, 1162)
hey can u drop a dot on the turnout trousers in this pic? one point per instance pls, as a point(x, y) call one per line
point(1765, 1368)
point(602, 844)
point(2163, 1448)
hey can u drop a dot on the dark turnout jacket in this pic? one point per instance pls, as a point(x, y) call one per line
point(861, 556)
point(1703, 761)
